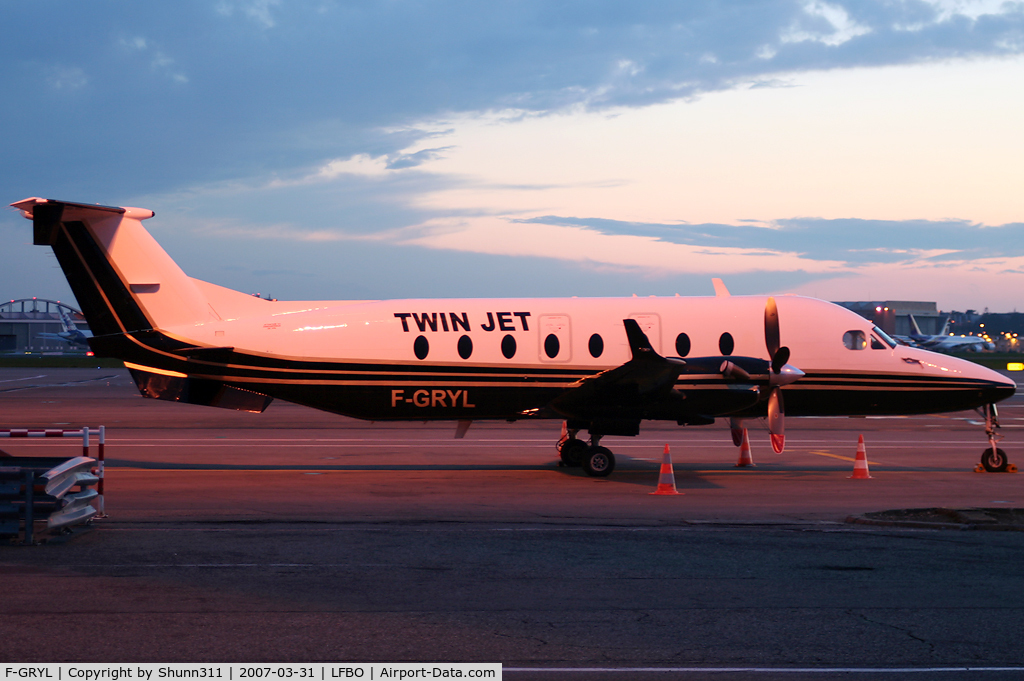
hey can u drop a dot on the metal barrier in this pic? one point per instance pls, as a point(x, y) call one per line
point(84, 433)
point(32, 486)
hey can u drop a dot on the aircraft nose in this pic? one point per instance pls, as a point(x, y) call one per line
point(996, 385)
point(1003, 388)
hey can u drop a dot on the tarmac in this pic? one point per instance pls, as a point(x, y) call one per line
point(296, 535)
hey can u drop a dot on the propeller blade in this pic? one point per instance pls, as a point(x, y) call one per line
point(736, 427)
point(776, 420)
point(780, 359)
point(771, 328)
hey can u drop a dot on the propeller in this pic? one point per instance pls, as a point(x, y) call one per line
point(736, 428)
point(781, 374)
point(776, 420)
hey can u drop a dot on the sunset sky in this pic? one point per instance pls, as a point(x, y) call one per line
point(352, 150)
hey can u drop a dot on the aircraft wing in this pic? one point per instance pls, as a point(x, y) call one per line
point(645, 387)
point(646, 373)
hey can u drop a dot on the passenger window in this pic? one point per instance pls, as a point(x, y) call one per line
point(877, 344)
point(421, 347)
point(465, 347)
point(682, 345)
point(855, 340)
point(726, 344)
point(551, 345)
point(508, 346)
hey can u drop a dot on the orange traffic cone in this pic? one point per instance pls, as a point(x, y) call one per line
point(745, 458)
point(860, 465)
point(667, 478)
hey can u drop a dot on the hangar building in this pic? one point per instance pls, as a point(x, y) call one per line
point(893, 316)
point(22, 322)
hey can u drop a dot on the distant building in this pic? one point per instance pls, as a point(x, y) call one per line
point(893, 316)
point(22, 322)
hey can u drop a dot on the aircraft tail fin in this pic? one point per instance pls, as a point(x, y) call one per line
point(123, 280)
point(914, 328)
point(67, 322)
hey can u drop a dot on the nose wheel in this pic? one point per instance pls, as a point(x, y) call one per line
point(993, 459)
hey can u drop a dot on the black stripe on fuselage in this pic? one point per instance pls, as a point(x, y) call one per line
point(363, 389)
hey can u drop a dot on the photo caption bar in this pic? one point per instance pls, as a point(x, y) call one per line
point(361, 671)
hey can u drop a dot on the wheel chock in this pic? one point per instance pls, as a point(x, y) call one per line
point(1010, 468)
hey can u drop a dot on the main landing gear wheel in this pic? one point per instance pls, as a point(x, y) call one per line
point(994, 460)
point(572, 452)
point(598, 462)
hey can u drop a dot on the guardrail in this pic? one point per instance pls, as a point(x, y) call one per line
point(32, 487)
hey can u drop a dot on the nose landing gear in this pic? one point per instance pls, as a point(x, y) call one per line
point(993, 459)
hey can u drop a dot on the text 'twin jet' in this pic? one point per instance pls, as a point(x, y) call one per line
point(602, 365)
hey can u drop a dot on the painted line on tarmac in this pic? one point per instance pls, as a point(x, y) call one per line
point(68, 384)
point(26, 378)
point(846, 458)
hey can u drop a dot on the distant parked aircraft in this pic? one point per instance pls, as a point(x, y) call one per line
point(71, 334)
point(944, 342)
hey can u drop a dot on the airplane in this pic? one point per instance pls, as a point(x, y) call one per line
point(602, 365)
point(944, 341)
point(71, 334)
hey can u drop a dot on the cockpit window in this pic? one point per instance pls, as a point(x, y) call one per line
point(855, 340)
point(877, 344)
point(885, 337)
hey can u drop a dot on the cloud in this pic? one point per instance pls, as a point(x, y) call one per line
point(352, 70)
point(851, 241)
point(256, 10)
point(158, 60)
point(310, 125)
point(825, 23)
point(418, 158)
point(67, 78)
